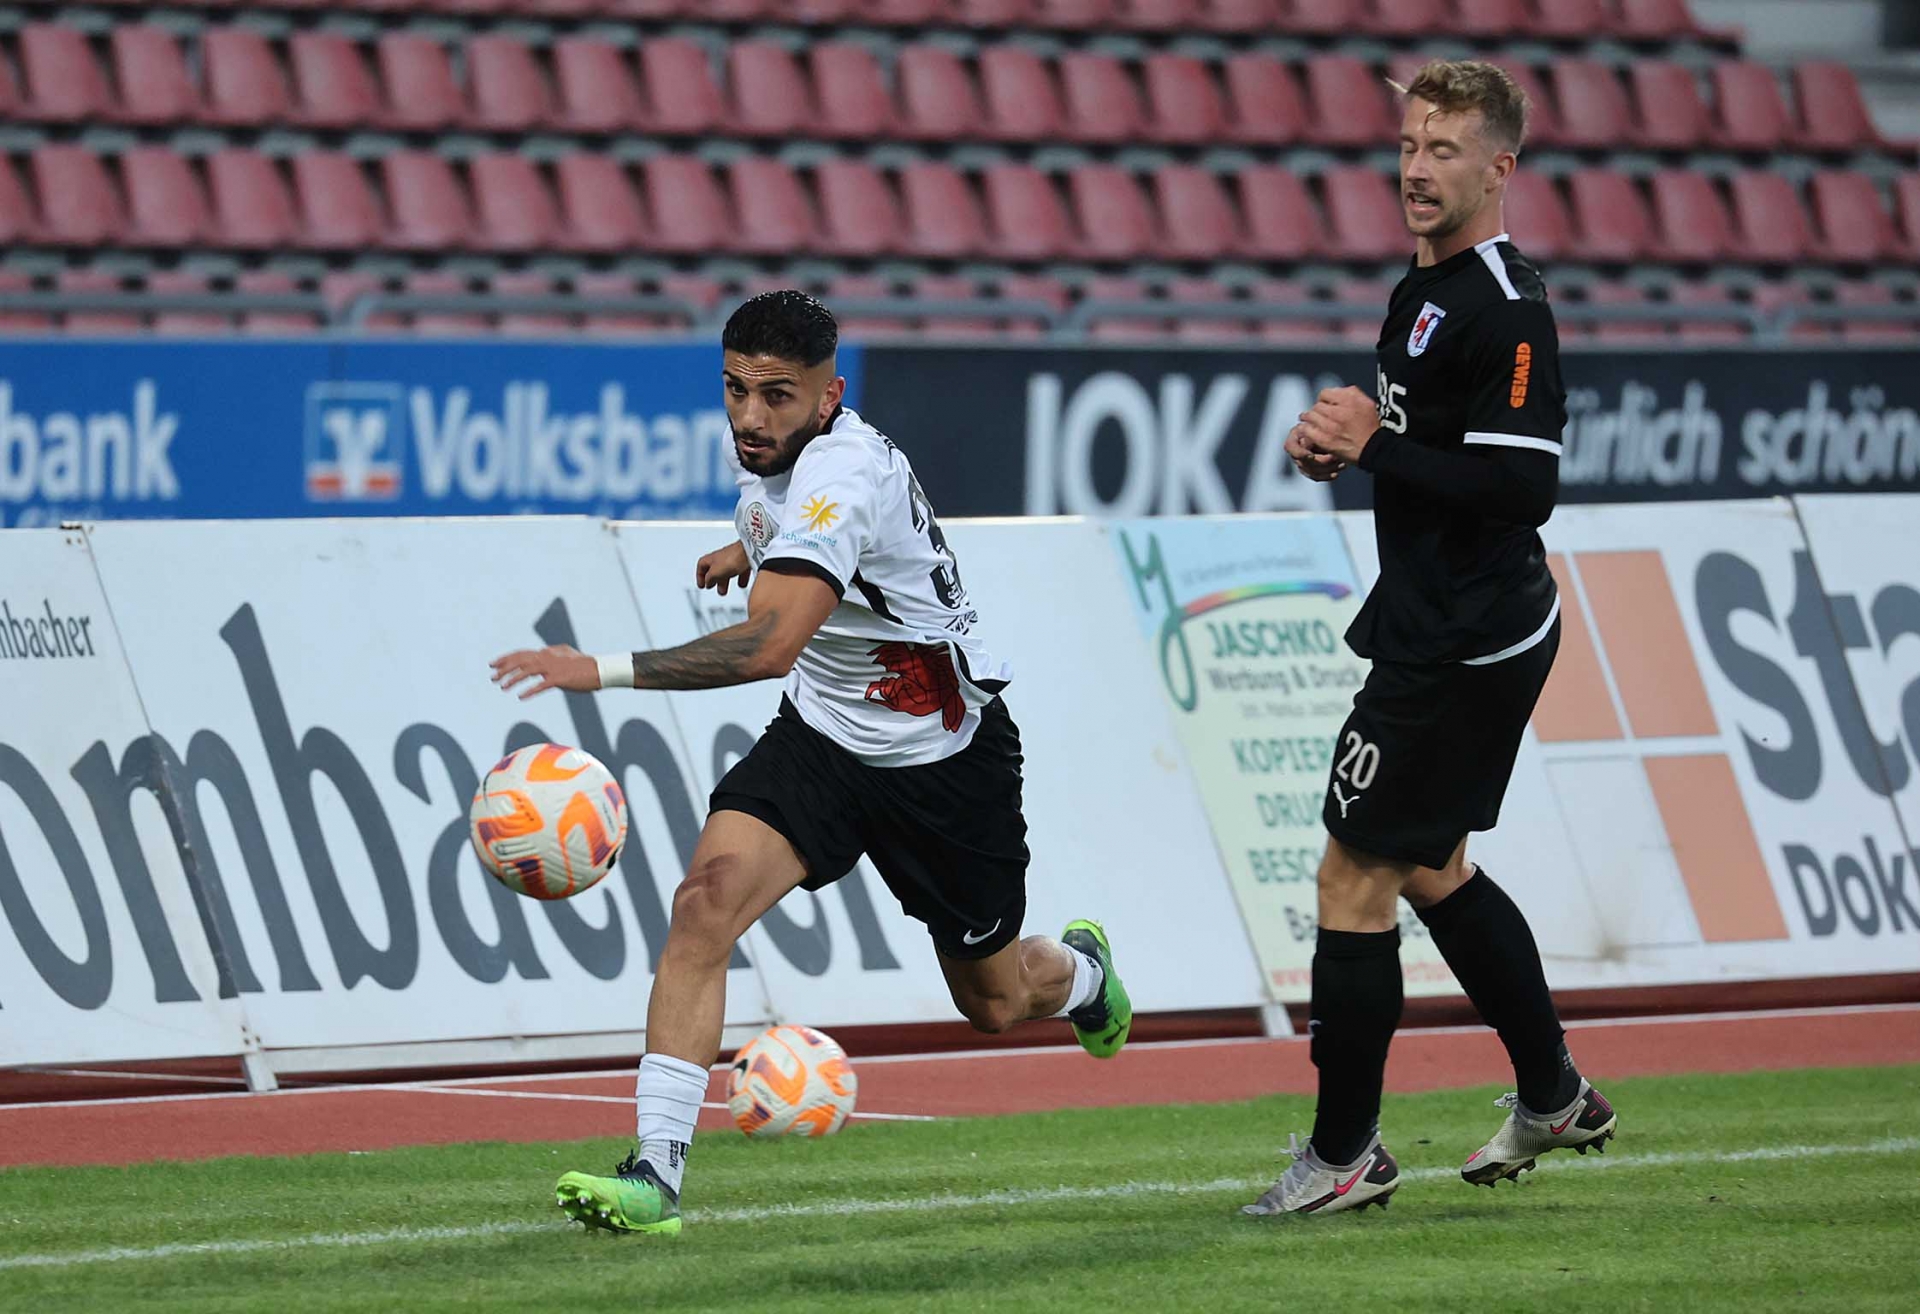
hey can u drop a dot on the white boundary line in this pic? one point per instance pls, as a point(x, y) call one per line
point(628, 1100)
point(946, 1203)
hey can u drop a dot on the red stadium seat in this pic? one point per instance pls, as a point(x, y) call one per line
point(1025, 218)
point(9, 106)
point(1071, 15)
point(1594, 113)
point(526, 323)
point(1771, 298)
point(773, 214)
point(1575, 20)
point(505, 90)
point(1102, 105)
point(598, 91)
point(1155, 15)
point(1349, 102)
point(1282, 221)
point(1833, 117)
point(1655, 20)
point(243, 81)
point(1771, 222)
point(14, 280)
point(421, 95)
point(165, 204)
point(171, 322)
point(1750, 114)
point(1411, 18)
point(78, 206)
point(1673, 117)
point(1906, 198)
point(939, 100)
point(905, 13)
point(852, 96)
point(1871, 330)
point(1115, 221)
point(864, 287)
point(272, 282)
point(1197, 221)
point(1543, 116)
point(1267, 105)
point(1183, 293)
point(599, 207)
point(991, 13)
point(17, 224)
point(95, 321)
point(1691, 218)
point(1705, 331)
point(429, 213)
point(1278, 292)
point(942, 215)
point(769, 92)
point(823, 13)
point(689, 210)
point(442, 323)
point(954, 287)
point(151, 71)
point(1032, 287)
point(1368, 297)
point(1536, 217)
point(1022, 102)
point(333, 87)
point(1183, 101)
point(342, 287)
point(250, 200)
point(858, 213)
point(514, 210)
point(1124, 327)
point(1364, 215)
point(617, 321)
point(1330, 18)
point(682, 96)
point(1244, 16)
point(1492, 18)
point(1853, 221)
point(64, 83)
point(1611, 216)
point(338, 210)
point(1635, 332)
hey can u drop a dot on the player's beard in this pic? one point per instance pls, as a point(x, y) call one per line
point(779, 458)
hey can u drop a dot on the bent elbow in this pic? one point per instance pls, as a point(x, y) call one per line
point(769, 665)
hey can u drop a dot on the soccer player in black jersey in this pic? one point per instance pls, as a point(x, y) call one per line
point(1463, 442)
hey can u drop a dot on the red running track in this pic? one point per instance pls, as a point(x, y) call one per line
point(339, 1118)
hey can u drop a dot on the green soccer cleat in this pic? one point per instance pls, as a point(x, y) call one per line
point(632, 1200)
point(1101, 1027)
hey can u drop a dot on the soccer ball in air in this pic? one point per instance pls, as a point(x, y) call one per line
point(548, 821)
point(791, 1081)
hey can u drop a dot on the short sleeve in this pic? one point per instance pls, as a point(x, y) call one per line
point(829, 517)
point(1518, 400)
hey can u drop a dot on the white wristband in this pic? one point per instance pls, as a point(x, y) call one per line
point(616, 670)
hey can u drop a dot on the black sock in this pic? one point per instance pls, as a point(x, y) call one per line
point(1486, 941)
point(1356, 1006)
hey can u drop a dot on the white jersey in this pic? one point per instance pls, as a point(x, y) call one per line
point(897, 676)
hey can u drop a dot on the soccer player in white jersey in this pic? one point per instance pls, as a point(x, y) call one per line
point(891, 740)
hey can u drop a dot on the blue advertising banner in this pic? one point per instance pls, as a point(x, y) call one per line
point(103, 430)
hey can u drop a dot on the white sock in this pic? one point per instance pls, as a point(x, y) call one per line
point(1087, 980)
point(667, 1096)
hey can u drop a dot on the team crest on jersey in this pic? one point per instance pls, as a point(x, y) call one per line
point(1423, 328)
point(759, 525)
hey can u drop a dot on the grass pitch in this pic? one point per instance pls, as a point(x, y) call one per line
point(1791, 1191)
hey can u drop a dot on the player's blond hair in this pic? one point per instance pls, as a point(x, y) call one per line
point(1457, 86)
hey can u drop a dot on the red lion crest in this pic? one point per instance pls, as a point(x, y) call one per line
point(920, 682)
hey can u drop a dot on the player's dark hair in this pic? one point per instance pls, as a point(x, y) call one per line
point(787, 324)
point(1457, 86)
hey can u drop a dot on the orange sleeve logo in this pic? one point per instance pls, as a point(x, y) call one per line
point(1522, 375)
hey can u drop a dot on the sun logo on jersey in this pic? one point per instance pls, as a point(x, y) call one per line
point(820, 513)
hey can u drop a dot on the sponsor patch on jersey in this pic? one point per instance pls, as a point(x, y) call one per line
point(1423, 328)
point(820, 513)
point(759, 526)
point(1522, 375)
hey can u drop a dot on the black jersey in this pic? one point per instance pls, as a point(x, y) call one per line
point(1466, 462)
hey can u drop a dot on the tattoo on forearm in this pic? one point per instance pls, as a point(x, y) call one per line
point(712, 661)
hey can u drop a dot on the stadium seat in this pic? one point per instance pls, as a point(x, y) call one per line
point(1155, 15)
point(17, 223)
point(95, 321)
point(1611, 217)
point(1770, 221)
point(1690, 217)
point(1655, 20)
point(1411, 18)
point(822, 13)
point(1672, 116)
point(864, 287)
point(990, 13)
point(943, 218)
point(423, 196)
point(1543, 116)
point(769, 92)
point(905, 13)
point(852, 96)
point(332, 85)
point(1124, 327)
point(597, 90)
point(243, 83)
point(1570, 20)
point(689, 210)
point(1282, 221)
point(63, 82)
point(513, 208)
point(505, 91)
point(954, 287)
point(1267, 107)
point(420, 91)
point(338, 209)
point(1906, 195)
point(1070, 15)
point(526, 323)
point(1852, 220)
point(1594, 113)
point(1537, 218)
point(1833, 117)
point(1285, 292)
point(342, 287)
point(1239, 16)
point(936, 96)
point(1634, 332)
point(1749, 113)
point(1025, 219)
point(1702, 332)
point(1183, 102)
point(1326, 18)
point(15, 280)
point(599, 208)
point(773, 214)
point(1032, 287)
point(682, 96)
point(1771, 298)
point(734, 11)
point(78, 206)
point(1492, 19)
point(1021, 99)
point(1364, 217)
point(615, 321)
point(1349, 104)
point(1197, 221)
point(9, 93)
point(858, 213)
point(151, 71)
point(184, 281)
point(1869, 330)
point(1115, 221)
point(165, 203)
point(442, 323)
point(272, 282)
point(1368, 297)
point(1184, 292)
point(250, 200)
point(1101, 103)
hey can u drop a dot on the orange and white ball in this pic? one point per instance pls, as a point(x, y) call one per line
point(548, 821)
point(791, 1081)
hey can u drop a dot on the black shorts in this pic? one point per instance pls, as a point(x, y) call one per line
point(948, 838)
point(1426, 754)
